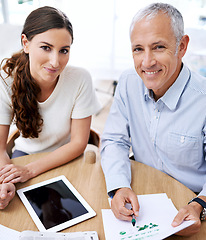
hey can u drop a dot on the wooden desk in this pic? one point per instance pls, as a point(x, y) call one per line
point(88, 179)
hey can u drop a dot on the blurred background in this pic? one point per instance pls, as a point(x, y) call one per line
point(101, 31)
point(101, 37)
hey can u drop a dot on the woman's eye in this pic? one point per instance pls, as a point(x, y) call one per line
point(46, 48)
point(64, 51)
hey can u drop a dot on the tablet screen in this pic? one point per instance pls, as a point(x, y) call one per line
point(55, 204)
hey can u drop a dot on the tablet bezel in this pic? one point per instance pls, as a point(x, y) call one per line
point(90, 212)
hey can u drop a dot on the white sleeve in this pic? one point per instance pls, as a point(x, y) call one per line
point(86, 102)
point(5, 104)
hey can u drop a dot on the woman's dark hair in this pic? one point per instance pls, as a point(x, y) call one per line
point(25, 89)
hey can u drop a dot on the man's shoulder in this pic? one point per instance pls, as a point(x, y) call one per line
point(129, 73)
point(198, 83)
point(129, 76)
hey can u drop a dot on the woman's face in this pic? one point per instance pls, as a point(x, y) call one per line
point(48, 54)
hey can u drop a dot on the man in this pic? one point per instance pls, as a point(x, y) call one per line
point(160, 111)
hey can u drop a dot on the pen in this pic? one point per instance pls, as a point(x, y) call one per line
point(133, 220)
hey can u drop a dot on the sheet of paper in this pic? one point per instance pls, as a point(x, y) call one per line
point(32, 235)
point(154, 222)
point(8, 233)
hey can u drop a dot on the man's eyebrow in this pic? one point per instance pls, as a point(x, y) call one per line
point(159, 42)
point(136, 45)
point(67, 46)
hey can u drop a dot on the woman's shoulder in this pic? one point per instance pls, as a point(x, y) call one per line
point(5, 82)
point(78, 73)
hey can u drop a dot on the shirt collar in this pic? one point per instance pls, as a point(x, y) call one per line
point(148, 94)
point(173, 94)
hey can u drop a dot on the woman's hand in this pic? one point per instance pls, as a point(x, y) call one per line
point(7, 192)
point(11, 173)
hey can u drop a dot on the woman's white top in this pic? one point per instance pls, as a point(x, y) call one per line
point(72, 98)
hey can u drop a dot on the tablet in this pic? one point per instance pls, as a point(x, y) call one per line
point(55, 204)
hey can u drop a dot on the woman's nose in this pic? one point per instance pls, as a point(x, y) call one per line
point(54, 59)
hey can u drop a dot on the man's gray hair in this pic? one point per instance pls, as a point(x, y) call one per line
point(153, 9)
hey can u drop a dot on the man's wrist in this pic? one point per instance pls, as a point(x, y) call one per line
point(113, 192)
point(199, 204)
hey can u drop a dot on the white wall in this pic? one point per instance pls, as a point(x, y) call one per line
point(10, 40)
point(101, 31)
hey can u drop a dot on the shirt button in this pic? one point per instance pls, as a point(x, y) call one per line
point(182, 139)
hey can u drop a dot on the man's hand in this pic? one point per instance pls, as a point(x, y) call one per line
point(121, 197)
point(14, 174)
point(190, 212)
point(7, 192)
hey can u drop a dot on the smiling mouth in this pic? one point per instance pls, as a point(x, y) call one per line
point(151, 73)
point(51, 70)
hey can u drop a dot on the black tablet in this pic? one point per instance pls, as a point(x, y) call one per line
point(55, 204)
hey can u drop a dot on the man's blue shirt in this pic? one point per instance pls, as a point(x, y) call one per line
point(168, 134)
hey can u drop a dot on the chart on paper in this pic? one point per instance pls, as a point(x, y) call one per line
point(140, 232)
point(153, 223)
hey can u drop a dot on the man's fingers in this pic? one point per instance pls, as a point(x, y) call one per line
point(187, 213)
point(127, 213)
point(120, 199)
point(123, 214)
point(118, 207)
point(182, 214)
point(135, 206)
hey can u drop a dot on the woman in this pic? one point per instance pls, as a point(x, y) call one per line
point(50, 103)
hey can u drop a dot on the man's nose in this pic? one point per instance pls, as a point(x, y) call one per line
point(148, 59)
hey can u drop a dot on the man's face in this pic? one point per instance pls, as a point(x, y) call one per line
point(154, 52)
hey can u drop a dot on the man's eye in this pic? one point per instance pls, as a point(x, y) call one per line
point(160, 47)
point(64, 51)
point(138, 49)
point(46, 48)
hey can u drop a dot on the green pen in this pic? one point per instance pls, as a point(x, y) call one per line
point(133, 220)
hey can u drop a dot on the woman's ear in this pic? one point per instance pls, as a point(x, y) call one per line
point(25, 43)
